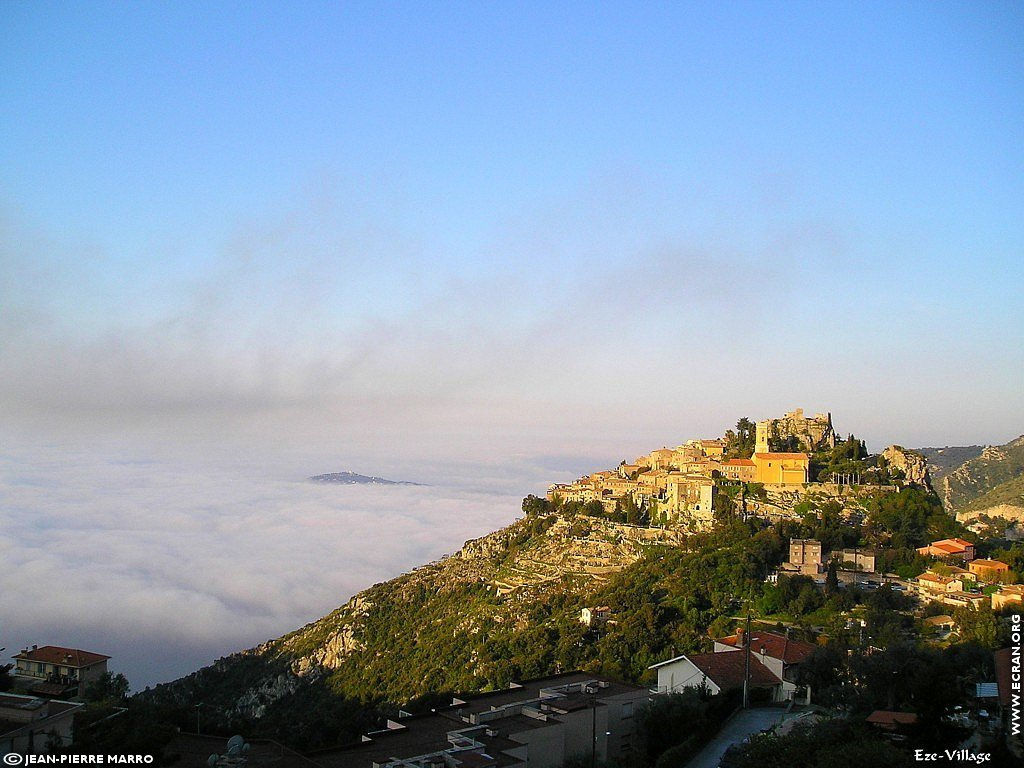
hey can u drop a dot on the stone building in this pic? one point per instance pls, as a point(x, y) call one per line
point(856, 559)
point(806, 556)
point(781, 468)
point(744, 470)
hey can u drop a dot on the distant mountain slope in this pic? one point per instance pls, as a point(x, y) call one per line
point(1010, 493)
point(986, 487)
point(351, 478)
point(942, 461)
point(982, 474)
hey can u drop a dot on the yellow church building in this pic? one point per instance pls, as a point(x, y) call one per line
point(781, 468)
point(773, 468)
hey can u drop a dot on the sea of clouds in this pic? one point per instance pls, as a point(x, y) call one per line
point(167, 561)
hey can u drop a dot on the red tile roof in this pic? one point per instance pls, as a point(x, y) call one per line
point(726, 669)
point(952, 545)
point(738, 463)
point(775, 646)
point(781, 455)
point(887, 719)
point(938, 579)
point(65, 657)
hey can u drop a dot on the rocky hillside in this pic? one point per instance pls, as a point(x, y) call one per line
point(446, 625)
point(984, 488)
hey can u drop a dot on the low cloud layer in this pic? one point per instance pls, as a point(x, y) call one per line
point(166, 564)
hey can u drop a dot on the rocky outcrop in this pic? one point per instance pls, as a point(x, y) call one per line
point(253, 703)
point(911, 464)
point(486, 547)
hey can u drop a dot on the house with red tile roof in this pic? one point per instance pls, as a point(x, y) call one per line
point(53, 670)
point(718, 671)
point(774, 663)
point(738, 469)
point(774, 645)
point(779, 653)
point(1007, 595)
point(930, 585)
point(949, 549)
point(989, 570)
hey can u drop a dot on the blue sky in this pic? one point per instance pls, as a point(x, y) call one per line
point(624, 221)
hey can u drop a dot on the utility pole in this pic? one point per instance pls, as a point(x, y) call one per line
point(593, 732)
point(746, 664)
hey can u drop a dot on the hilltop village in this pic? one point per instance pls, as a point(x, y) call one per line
point(683, 485)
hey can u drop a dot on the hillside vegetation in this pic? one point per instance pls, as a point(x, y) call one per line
point(507, 607)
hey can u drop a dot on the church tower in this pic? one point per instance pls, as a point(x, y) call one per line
point(761, 440)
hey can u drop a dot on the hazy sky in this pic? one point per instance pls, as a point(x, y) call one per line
point(494, 241)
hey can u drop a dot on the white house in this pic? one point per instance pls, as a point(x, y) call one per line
point(717, 671)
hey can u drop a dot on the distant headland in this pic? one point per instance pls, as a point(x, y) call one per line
point(352, 478)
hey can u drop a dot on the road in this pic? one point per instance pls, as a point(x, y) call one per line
point(742, 725)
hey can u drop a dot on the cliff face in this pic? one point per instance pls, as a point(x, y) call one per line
point(812, 433)
point(983, 474)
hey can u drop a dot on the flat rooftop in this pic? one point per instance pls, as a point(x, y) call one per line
point(531, 689)
point(428, 733)
point(424, 734)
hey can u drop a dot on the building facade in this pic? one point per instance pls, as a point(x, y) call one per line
point(34, 726)
point(60, 671)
